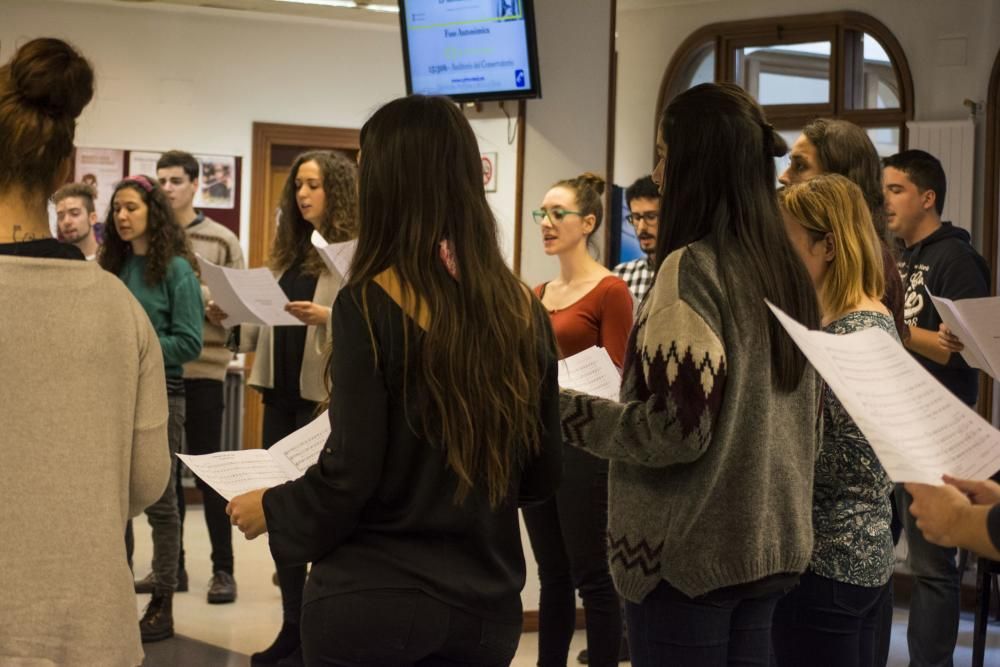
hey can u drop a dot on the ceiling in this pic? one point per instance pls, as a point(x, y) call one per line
point(295, 9)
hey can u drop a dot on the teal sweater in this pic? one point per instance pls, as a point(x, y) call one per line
point(174, 307)
point(710, 482)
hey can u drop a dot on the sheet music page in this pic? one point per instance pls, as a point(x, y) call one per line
point(591, 372)
point(336, 256)
point(977, 323)
point(248, 296)
point(235, 472)
point(918, 428)
point(297, 451)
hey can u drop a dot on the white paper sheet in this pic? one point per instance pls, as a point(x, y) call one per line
point(336, 256)
point(918, 428)
point(234, 473)
point(247, 296)
point(977, 323)
point(591, 372)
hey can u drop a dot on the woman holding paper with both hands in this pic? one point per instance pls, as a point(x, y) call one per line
point(443, 414)
point(289, 365)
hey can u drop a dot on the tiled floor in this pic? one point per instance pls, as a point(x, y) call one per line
point(253, 620)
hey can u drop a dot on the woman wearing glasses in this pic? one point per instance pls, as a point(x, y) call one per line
point(588, 306)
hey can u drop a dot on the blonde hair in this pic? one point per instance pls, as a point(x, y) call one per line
point(833, 204)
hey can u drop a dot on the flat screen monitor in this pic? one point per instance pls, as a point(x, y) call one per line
point(470, 50)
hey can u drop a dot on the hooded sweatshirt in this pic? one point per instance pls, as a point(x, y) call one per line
point(946, 265)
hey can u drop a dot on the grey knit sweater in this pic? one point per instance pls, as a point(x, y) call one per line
point(711, 468)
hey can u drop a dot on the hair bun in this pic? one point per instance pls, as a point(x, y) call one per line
point(592, 180)
point(51, 76)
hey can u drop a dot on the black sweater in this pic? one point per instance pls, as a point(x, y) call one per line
point(947, 265)
point(377, 510)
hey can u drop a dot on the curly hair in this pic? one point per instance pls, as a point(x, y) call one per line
point(292, 241)
point(166, 238)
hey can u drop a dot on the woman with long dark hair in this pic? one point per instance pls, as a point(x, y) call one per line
point(588, 306)
point(147, 249)
point(320, 195)
point(840, 614)
point(443, 413)
point(73, 338)
point(713, 446)
point(841, 147)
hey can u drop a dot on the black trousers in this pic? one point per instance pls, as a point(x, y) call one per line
point(203, 434)
point(393, 628)
point(568, 536)
point(279, 421)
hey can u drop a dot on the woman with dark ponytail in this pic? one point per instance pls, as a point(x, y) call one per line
point(588, 306)
point(713, 446)
point(72, 337)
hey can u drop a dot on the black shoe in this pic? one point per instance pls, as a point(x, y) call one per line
point(157, 621)
point(222, 588)
point(623, 653)
point(146, 585)
point(583, 658)
point(285, 644)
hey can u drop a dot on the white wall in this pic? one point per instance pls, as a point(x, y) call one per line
point(649, 31)
point(197, 79)
point(497, 134)
point(567, 128)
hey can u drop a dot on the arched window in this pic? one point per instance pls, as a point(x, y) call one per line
point(837, 65)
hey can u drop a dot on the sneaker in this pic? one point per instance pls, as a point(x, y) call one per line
point(285, 645)
point(146, 585)
point(222, 588)
point(157, 621)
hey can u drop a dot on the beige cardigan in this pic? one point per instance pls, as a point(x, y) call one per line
point(312, 385)
point(83, 441)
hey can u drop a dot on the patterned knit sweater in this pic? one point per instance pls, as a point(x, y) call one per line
point(711, 469)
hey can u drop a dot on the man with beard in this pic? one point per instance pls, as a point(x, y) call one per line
point(76, 217)
point(643, 198)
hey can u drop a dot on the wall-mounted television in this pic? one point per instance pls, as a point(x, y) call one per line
point(470, 50)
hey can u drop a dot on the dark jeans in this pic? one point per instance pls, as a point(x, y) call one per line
point(669, 628)
point(392, 628)
point(568, 535)
point(279, 422)
point(203, 432)
point(932, 630)
point(827, 623)
point(162, 515)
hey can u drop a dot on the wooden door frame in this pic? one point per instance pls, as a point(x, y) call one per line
point(266, 136)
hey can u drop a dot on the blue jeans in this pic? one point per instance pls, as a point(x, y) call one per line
point(669, 628)
point(827, 623)
point(932, 630)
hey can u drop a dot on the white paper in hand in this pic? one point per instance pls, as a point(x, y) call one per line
point(336, 256)
point(247, 296)
point(591, 372)
point(919, 430)
point(234, 473)
point(977, 323)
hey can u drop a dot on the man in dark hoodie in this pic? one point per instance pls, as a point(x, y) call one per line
point(937, 259)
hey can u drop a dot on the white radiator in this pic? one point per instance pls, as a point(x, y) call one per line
point(954, 143)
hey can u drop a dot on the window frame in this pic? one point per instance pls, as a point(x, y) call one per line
point(846, 91)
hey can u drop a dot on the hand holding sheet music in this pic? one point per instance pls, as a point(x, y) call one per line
point(919, 430)
point(235, 473)
point(248, 296)
point(977, 323)
point(591, 372)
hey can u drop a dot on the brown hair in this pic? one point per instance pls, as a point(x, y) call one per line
point(43, 89)
point(166, 238)
point(292, 241)
point(482, 359)
point(80, 190)
point(588, 188)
